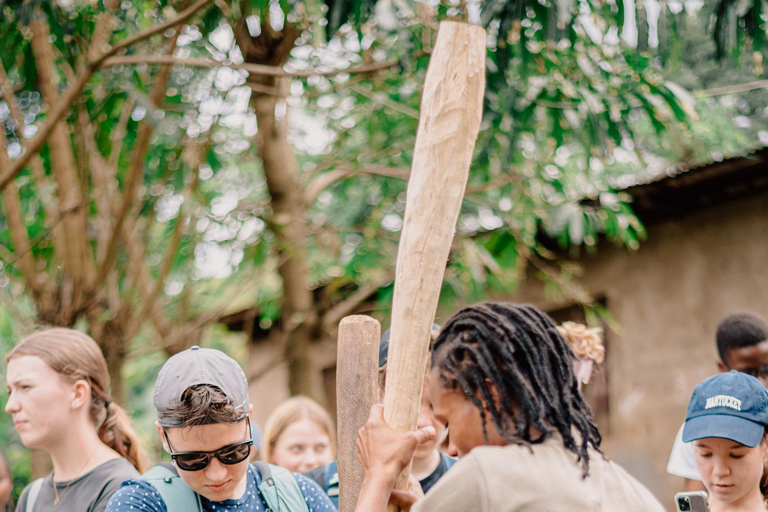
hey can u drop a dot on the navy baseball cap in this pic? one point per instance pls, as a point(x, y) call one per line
point(730, 405)
point(384, 345)
point(193, 367)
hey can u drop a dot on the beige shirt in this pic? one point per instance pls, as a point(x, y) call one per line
point(548, 479)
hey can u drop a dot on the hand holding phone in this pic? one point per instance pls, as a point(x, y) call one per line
point(692, 501)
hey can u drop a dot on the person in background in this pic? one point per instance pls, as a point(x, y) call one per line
point(6, 484)
point(59, 399)
point(742, 345)
point(299, 436)
point(501, 379)
point(429, 464)
point(726, 424)
point(204, 422)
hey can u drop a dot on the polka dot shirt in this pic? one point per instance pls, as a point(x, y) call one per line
point(141, 496)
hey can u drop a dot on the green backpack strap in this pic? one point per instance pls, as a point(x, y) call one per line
point(279, 489)
point(177, 495)
point(34, 490)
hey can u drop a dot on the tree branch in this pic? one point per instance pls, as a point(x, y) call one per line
point(118, 136)
point(139, 275)
point(255, 69)
point(324, 181)
point(11, 198)
point(77, 262)
point(36, 163)
point(332, 318)
point(128, 41)
point(195, 154)
point(18, 231)
point(101, 31)
point(730, 89)
point(136, 170)
point(505, 179)
point(327, 179)
point(385, 101)
point(58, 110)
point(101, 181)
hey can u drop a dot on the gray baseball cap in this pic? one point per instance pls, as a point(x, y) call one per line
point(193, 367)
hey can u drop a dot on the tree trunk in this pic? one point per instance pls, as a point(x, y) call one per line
point(113, 338)
point(78, 263)
point(300, 320)
point(115, 346)
point(642, 26)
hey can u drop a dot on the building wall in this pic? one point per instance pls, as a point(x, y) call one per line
point(668, 298)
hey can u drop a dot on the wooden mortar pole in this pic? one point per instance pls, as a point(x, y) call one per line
point(356, 392)
point(451, 109)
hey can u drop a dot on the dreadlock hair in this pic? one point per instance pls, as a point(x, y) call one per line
point(519, 351)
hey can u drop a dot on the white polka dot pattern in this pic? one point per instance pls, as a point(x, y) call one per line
point(140, 496)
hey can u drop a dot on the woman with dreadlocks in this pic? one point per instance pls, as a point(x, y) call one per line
point(501, 378)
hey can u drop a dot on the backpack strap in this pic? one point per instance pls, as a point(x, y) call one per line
point(34, 490)
point(332, 482)
point(279, 489)
point(177, 495)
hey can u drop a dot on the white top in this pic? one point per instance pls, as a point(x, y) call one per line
point(682, 461)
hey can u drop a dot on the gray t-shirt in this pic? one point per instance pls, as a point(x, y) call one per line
point(88, 493)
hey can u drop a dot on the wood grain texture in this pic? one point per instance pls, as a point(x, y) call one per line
point(356, 391)
point(451, 110)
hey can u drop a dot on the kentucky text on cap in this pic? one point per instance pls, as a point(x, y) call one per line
point(194, 367)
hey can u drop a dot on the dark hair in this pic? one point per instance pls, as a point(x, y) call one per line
point(737, 330)
point(519, 351)
point(203, 405)
point(75, 356)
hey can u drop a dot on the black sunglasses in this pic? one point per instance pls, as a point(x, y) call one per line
point(196, 461)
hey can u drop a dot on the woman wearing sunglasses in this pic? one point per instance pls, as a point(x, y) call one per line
point(59, 399)
point(203, 419)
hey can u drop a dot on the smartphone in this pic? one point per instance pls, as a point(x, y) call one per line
point(692, 502)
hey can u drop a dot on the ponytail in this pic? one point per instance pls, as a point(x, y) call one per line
point(117, 433)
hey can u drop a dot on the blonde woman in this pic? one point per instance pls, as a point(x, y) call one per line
point(59, 399)
point(299, 436)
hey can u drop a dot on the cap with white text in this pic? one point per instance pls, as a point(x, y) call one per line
point(730, 405)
